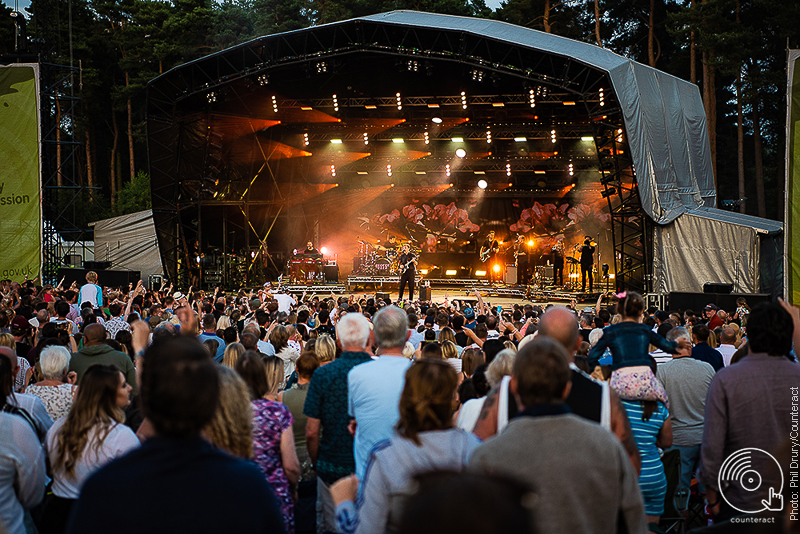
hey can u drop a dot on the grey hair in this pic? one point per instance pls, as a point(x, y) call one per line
point(54, 360)
point(501, 366)
point(352, 330)
point(595, 335)
point(677, 333)
point(391, 328)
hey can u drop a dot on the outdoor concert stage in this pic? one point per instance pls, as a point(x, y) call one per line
point(426, 130)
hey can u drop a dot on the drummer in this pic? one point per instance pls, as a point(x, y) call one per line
point(310, 249)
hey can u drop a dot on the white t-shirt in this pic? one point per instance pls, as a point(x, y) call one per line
point(119, 441)
point(284, 301)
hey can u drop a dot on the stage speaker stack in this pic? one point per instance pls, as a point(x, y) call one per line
point(511, 274)
point(331, 273)
point(425, 293)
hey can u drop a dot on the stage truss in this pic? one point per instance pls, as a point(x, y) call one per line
point(178, 165)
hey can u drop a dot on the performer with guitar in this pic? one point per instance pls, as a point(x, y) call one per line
point(488, 252)
point(408, 272)
point(521, 259)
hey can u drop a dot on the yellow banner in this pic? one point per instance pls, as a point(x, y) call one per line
point(20, 204)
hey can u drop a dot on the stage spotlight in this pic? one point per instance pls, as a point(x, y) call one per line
point(389, 170)
point(335, 103)
point(333, 170)
point(321, 67)
point(482, 184)
point(571, 170)
point(212, 97)
point(553, 136)
point(587, 138)
point(520, 139)
point(602, 98)
point(399, 101)
point(366, 138)
point(398, 141)
point(532, 98)
point(423, 271)
point(263, 80)
point(437, 120)
point(324, 250)
point(508, 169)
point(427, 138)
point(460, 152)
point(496, 268)
point(456, 139)
point(447, 170)
point(336, 141)
point(305, 139)
point(488, 136)
point(608, 192)
point(530, 243)
point(480, 273)
point(412, 65)
point(477, 75)
point(450, 272)
point(274, 104)
point(463, 100)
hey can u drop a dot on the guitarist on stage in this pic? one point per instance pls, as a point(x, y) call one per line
point(489, 252)
point(408, 272)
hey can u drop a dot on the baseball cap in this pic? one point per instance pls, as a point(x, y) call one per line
point(710, 307)
point(469, 313)
point(21, 322)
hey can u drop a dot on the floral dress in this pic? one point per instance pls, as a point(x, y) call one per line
point(270, 420)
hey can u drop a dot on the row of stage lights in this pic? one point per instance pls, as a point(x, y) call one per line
point(427, 140)
point(532, 94)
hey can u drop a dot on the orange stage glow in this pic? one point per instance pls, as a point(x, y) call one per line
point(496, 268)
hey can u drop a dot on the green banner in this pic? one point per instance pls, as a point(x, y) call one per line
point(20, 205)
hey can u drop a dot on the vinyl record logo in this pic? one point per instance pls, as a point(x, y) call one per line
point(737, 471)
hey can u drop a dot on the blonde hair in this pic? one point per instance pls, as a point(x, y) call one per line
point(275, 369)
point(233, 351)
point(7, 340)
point(231, 429)
point(325, 348)
point(501, 366)
point(449, 350)
point(223, 322)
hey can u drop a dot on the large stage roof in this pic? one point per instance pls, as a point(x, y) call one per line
point(663, 115)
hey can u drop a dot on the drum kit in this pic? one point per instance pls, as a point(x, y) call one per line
point(378, 260)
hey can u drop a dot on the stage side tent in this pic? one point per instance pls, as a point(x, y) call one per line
point(711, 245)
point(129, 243)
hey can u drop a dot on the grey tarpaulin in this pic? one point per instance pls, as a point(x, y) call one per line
point(711, 245)
point(129, 243)
point(664, 116)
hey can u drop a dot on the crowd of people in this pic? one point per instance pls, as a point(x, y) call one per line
point(133, 410)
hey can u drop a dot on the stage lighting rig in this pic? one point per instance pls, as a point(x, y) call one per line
point(263, 79)
point(482, 184)
point(461, 153)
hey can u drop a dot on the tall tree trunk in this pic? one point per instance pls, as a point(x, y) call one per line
point(692, 54)
point(59, 175)
point(546, 16)
point(597, 22)
point(740, 140)
point(740, 128)
point(113, 165)
point(130, 131)
point(710, 103)
point(89, 156)
point(651, 34)
point(762, 207)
